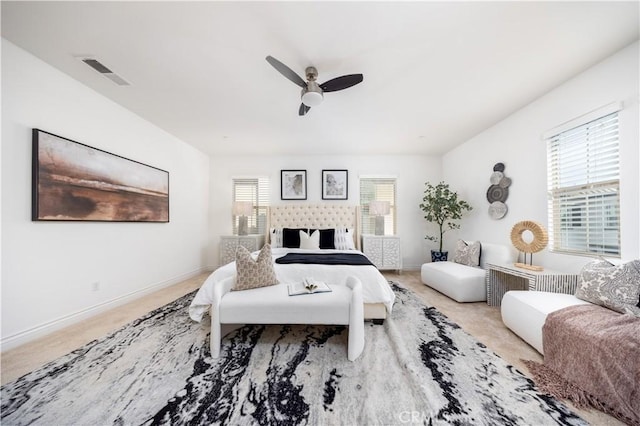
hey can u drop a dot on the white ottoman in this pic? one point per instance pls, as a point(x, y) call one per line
point(273, 305)
point(460, 282)
point(524, 312)
point(465, 283)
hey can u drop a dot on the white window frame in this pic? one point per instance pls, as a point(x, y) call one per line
point(367, 222)
point(583, 182)
point(254, 189)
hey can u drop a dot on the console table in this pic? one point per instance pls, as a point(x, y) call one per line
point(502, 278)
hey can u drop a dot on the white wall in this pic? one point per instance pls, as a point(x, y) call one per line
point(411, 173)
point(48, 267)
point(516, 141)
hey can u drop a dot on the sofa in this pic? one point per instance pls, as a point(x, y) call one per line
point(590, 340)
point(461, 282)
point(525, 312)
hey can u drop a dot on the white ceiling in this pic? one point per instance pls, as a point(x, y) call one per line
point(435, 73)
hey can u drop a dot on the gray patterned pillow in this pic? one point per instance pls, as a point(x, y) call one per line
point(611, 286)
point(254, 273)
point(468, 254)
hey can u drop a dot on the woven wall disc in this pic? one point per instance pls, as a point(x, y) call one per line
point(540, 236)
point(505, 182)
point(498, 167)
point(497, 193)
point(496, 177)
point(497, 210)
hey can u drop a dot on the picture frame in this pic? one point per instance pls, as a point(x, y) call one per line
point(293, 184)
point(72, 181)
point(335, 184)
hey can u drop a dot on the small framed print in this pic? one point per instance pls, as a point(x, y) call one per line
point(293, 184)
point(335, 184)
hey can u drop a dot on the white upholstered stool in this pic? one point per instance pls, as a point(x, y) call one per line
point(465, 283)
point(273, 305)
point(524, 312)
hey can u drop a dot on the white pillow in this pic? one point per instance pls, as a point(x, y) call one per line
point(310, 242)
point(344, 239)
point(276, 237)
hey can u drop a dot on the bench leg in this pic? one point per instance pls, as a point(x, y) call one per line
point(215, 337)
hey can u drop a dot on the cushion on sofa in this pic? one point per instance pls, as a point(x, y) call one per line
point(468, 253)
point(616, 287)
point(524, 312)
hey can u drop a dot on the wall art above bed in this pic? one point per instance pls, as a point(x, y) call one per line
point(293, 184)
point(75, 182)
point(335, 184)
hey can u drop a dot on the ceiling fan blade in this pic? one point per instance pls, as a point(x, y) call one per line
point(340, 83)
point(303, 109)
point(286, 71)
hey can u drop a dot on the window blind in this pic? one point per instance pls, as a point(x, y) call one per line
point(584, 188)
point(256, 191)
point(377, 189)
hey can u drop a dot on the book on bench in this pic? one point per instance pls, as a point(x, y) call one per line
point(308, 286)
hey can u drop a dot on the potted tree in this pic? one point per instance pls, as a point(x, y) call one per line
point(442, 206)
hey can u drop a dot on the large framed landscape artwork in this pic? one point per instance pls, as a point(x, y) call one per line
point(75, 182)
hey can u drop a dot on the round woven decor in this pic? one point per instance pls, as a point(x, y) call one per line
point(504, 182)
point(497, 193)
point(497, 210)
point(496, 177)
point(540, 236)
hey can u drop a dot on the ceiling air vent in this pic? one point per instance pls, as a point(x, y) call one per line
point(98, 66)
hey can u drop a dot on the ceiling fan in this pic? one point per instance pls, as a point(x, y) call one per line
point(312, 92)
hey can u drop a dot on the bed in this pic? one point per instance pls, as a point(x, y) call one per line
point(377, 295)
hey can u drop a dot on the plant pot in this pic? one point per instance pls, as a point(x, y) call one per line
point(439, 256)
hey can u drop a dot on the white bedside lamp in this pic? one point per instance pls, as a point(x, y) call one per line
point(379, 209)
point(242, 209)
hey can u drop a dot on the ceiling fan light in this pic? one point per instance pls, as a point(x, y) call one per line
point(312, 99)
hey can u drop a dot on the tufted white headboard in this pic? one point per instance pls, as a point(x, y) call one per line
point(318, 216)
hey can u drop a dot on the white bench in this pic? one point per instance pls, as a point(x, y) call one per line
point(465, 283)
point(273, 305)
point(525, 312)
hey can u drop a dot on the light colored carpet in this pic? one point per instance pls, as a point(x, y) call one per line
point(480, 320)
point(157, 370)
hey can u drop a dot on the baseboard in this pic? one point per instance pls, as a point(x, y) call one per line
point(17, 339)
point(411, 267)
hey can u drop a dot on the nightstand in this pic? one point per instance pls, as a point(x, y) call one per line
point(229, 244)
point(383, 251)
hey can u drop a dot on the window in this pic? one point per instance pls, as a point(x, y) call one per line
point(584, 185)
point(256, 191)
point(378, 189)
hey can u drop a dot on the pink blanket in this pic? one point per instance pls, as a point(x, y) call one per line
point(597, 351)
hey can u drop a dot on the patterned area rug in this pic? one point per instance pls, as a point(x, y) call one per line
point(417, 368)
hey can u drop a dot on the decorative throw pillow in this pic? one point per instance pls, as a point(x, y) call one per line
point(327, 238)
point(291, 237)
point(254, 273)
point(344, 239)
point(310, 242)
point(276, 237)
point(616, 287)
point(468, 254)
